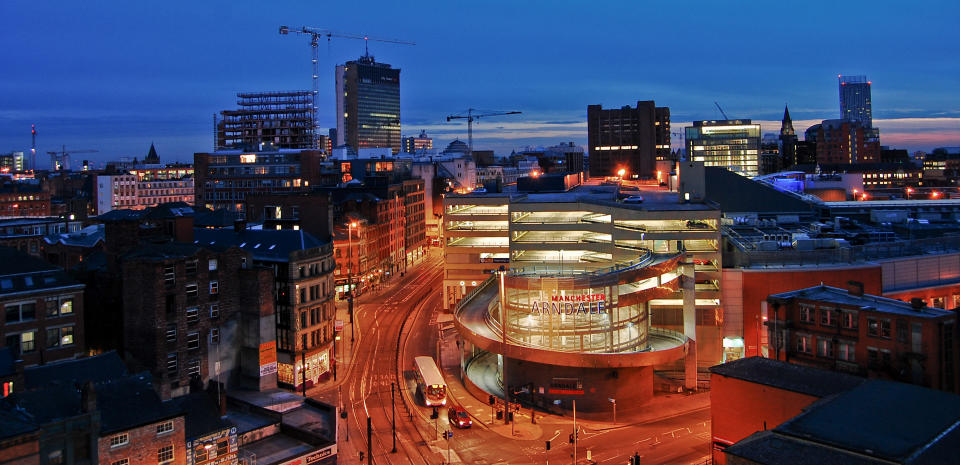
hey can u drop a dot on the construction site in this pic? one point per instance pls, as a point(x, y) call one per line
point(283, 119)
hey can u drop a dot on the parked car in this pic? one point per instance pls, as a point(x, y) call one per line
point(633, 199)
point(459, 417)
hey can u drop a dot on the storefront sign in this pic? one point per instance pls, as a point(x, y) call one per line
point(570, 305)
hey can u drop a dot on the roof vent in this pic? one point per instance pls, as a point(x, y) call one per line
point(917, 304)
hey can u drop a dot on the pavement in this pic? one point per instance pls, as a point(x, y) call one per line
point(662, 406)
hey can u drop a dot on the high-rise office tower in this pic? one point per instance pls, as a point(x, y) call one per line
point(281, 119)
point(732, 144)
point(368, 104)
point(788, 140)
point(855, 99)
point(631, 139)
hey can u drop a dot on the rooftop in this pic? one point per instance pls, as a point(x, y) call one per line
point(97, 368)
point(265, 244)
point(20, 272)
point(876, 422)
point(788, 376)
point(839, 296)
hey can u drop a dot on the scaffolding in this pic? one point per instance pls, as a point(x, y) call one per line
point(283, 119)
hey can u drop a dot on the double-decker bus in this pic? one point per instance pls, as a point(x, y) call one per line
point(430, 382)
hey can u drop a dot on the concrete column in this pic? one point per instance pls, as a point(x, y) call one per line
point(688, 284)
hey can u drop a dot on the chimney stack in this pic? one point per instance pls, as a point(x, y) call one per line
point(855, 288)
point(917, 304)
point(88, 398)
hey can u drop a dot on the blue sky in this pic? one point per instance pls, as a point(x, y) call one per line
point(114, 76)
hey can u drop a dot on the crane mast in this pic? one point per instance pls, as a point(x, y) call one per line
point(315, 34)
point(471, 117)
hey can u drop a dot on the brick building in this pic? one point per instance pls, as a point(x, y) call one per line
point(867, 335)
point(27, 234)
point(844, 141)
point(755, 393)
point(225, 178)
point(302, 268)
point(144, 187)
point(187, 308)
point(22, 199)
point(43, 310)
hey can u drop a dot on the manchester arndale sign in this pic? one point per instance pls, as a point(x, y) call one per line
point(570, 305)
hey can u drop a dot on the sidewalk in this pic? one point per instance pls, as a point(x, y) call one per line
point(484, 381)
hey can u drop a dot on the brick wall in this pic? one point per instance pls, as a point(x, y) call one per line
point(143, 445)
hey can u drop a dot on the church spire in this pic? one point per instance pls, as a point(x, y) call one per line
point(152, 157)
point(786, 127)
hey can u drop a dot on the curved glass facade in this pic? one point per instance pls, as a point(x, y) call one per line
point(600, 313)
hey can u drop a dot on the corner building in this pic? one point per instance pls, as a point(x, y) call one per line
point(596, 293)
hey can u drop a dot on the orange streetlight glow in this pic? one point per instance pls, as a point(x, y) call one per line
point(621, 172)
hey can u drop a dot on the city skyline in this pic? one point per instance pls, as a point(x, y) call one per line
point(127, 82)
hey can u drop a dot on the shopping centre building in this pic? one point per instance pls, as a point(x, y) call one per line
point(579, 293)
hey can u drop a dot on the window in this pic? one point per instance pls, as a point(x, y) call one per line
point(169, 276)
point(214, 311)
point(55, 457)
point(828, 317)
point(57, 337)
point(193, 367)
point(121, 462)
point(846, 351)
point(191, 290)
point(165, 427)
point(902, 331)
point(824, 347)
point(21, 312)
point(212, 264)
point(214, 287)
point(214, 335)
point(878, 328)
point(172, 363)
point(193, 340)
point(171, 333)
point(193, 314)
point(119, 440)
point(165, 454)
point(804, 344)
point(66, 306)
point(191, 267)
point(849, 320)
point(806, 314)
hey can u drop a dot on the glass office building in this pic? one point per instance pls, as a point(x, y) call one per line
point(368, 104)
point(731, 144)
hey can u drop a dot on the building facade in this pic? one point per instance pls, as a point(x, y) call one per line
point(868, 335)
point(855, 99)
point(731, 144)
point(43, 310)
point(368, 104)
point(22, 199)
point(417, 144)
point(143, 188)
point(281, 119)
point(631, 139)
point(844, 141)
point(225, 178)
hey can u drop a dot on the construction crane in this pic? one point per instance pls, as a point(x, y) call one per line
point(721, 110)
point(471, 117)
point(315, 34)
point(60, 160)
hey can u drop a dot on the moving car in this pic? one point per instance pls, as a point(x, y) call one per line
point(459, 417)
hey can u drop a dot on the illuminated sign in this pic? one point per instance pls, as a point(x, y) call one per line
point(571, 305)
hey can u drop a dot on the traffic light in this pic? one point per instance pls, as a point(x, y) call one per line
point(435, 414)
point(571, 438)
point(548, 445)
point(343, 414)
point(491, 400)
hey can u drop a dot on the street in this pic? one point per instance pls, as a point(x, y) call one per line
point(404, 315)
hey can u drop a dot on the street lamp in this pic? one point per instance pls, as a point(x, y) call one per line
point(353, 328)
point(909, 191)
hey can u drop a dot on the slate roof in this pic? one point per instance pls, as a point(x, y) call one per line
point(87, 237)
point(878, 421)
point(265, 245)
point(97, 368)
point(843, 297)
point(788, 376)
point(735, 193)
point(14, 422)
point(202, 414)
point(20, 272)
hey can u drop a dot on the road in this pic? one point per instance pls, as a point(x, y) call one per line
point(365, 390)
point(404, 315)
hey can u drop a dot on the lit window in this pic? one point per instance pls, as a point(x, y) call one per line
point(212, 264)
point(214, 287)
